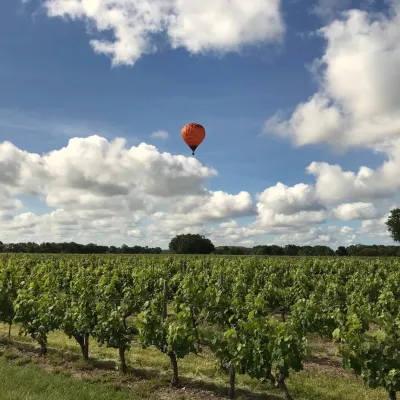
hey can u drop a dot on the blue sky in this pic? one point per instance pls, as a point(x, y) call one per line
point(54, 87)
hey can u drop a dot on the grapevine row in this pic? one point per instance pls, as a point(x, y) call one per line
point(253, 313)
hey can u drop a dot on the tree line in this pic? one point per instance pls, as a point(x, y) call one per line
point(194, 244)
point(75, 248)
point(197, 244)
point(359, 250)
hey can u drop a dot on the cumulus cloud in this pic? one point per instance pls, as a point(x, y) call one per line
point(376, 228)
point(20, 171)
point(224, 25)
point(268, 219)
point(93, 170)
point(217, 25)
point(102, 191)
point(372, 231)
point(231, 232)
point(95, 173)
point(281, 206)
point(216, 205)
point(355, 211)
point(334, 184)
point(357, 103)
point(100, 186)
point(289, 200)
point(195, 211)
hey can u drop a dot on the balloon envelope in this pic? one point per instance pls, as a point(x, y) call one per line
point(193, 134)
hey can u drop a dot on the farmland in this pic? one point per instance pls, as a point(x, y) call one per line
point(275, 327)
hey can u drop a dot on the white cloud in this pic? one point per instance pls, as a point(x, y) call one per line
point(229, 225)
point(94, 171)
point(377, 229)
point(350, 211)
point(330, 236)
point(216, 205)
point(217, 25)
point(290, 200)
point(334, 184)
point(20, 171)
point(160, 135)
point(224, 25)
point(280, 207)
point(134, 233)
point(103, 187)
point(233, 234)
point(268, 219)
point(369, 231)
point(196, 211)
point(357, 103)
point(105, 192)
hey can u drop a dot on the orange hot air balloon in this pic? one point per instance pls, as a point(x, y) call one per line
point(193, 134)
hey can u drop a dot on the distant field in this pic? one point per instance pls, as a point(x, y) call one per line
point(199, 327)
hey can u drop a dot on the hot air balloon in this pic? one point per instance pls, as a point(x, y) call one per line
point(193, 134)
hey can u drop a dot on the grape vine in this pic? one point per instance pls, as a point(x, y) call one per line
point(254, 313)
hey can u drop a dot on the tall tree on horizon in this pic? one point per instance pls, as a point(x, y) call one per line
point(393, 224)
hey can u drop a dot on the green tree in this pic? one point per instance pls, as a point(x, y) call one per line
point(191, 244)
point(291, 250)
point(393, 224)
point(341, 251)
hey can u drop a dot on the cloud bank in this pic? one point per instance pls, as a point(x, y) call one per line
point(208, 26)
point(102, 191)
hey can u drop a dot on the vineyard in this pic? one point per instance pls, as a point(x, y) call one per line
point(253, 314)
